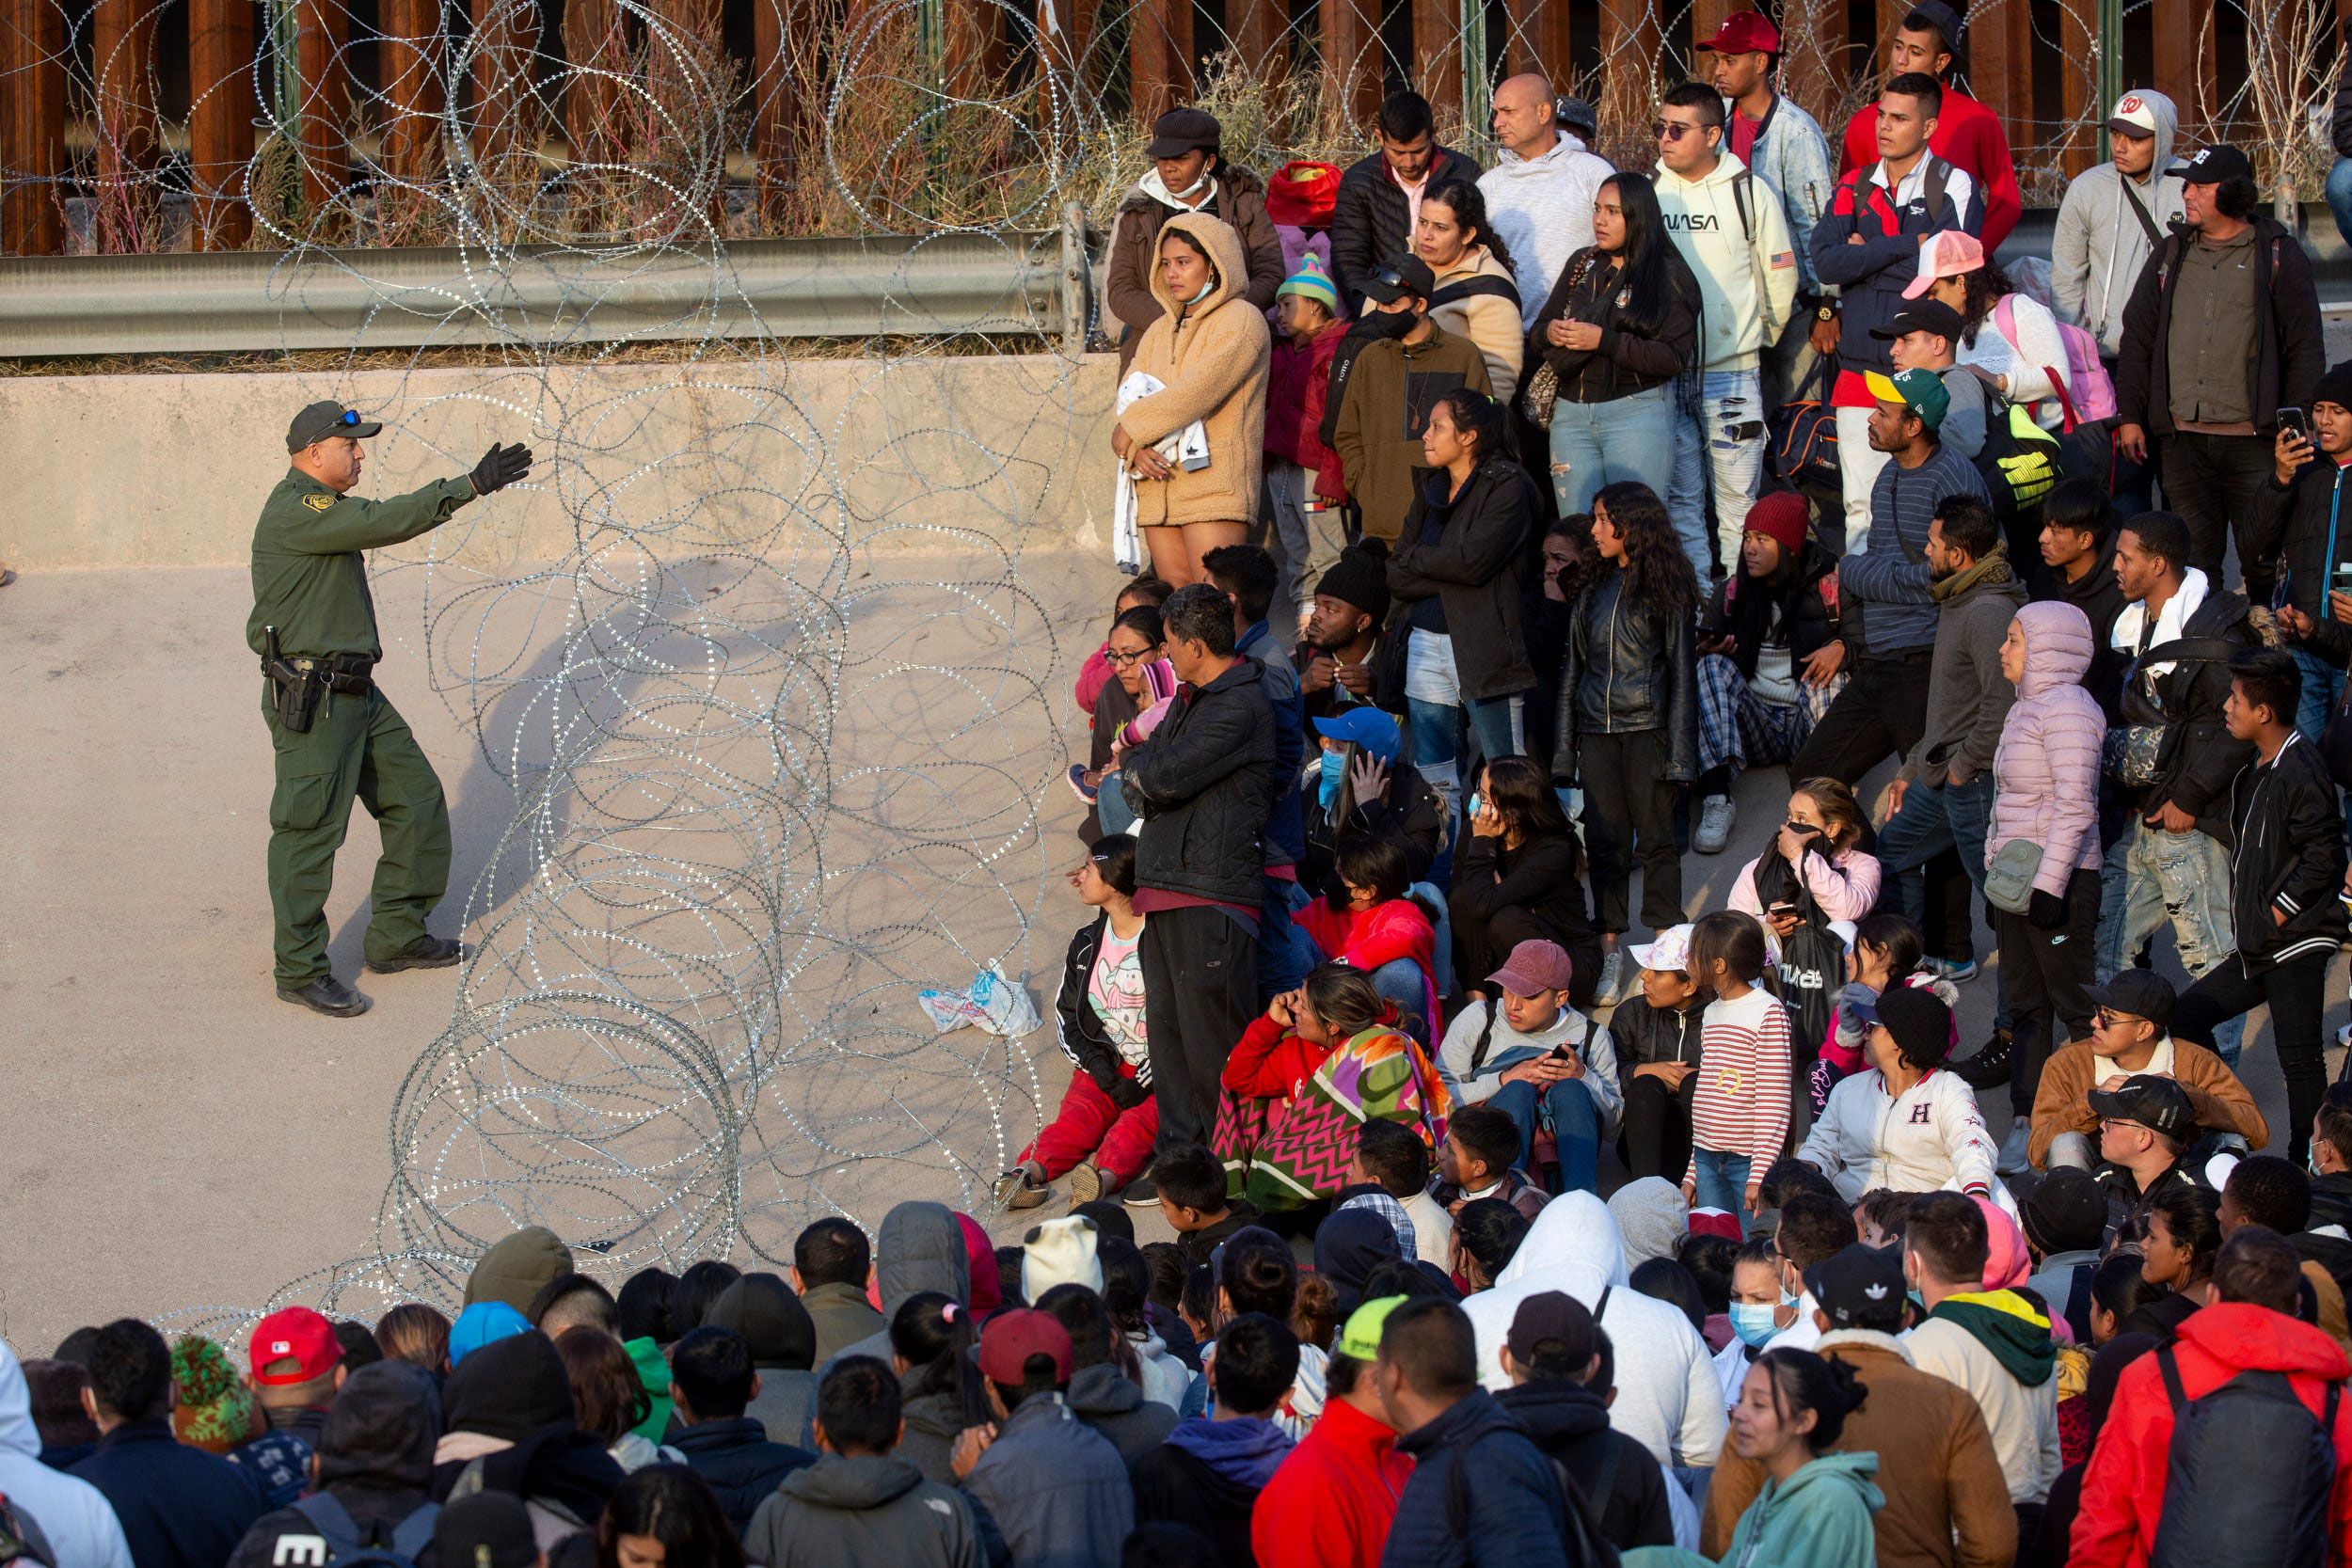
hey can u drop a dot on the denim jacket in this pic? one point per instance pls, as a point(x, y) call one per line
point(1791, 155)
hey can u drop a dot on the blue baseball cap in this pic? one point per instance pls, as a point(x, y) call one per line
point(1368, 727)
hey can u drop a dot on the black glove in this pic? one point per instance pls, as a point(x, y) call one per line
point(1127, 1094)
point(500, 467)
point(2048, 911)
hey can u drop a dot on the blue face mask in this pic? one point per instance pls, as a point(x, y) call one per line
point(1753, 1321)
point(1334, 774)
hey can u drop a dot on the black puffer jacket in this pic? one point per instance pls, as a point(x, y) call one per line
point(1084, 1041)
point(1204, 779)
point(1629, 666)
point(1371, 220)
point(2197, 758)
point(2286, 858)
point(1473, 571)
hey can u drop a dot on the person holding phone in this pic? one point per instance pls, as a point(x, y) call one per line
point(1819, 851)
point(2303, 518)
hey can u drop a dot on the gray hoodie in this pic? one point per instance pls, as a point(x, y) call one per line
point(1107, 1401)
point(2099, 249)
point(76, 1518)
point(861, 1511)
point(920, 1248)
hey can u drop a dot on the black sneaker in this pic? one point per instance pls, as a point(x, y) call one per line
point(1142, 1193)
point(1990, 1065)
point(326, 995)
point(426, 952)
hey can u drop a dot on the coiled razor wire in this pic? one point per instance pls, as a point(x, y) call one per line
point(778, 725)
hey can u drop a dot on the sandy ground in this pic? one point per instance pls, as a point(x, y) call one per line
point(177, 1138)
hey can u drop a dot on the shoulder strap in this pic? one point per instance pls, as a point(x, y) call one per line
point(1605, 1478)
point(413, 1536)
point(2147, 224)
point(2171, 1370)
point(1937, 171)
point(2191, 650)
point(1467, 287)
point(1740, 195)
point(331, 1519)
point(1602, 1305)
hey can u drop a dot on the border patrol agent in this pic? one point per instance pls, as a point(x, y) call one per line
point(335, 733)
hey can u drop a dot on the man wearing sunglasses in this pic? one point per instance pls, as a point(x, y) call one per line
point(2129, 1039)
point(335, 735)
point(2147, 1138)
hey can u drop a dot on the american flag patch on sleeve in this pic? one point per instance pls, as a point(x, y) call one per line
point(1783, 259)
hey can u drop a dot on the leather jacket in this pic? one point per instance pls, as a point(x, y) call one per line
point(1629, 666)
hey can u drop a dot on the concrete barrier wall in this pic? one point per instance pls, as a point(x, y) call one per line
point(733, 452)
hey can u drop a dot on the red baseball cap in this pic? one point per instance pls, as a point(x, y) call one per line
point(1009, 1338)
point(298, 1333)
point(1745, 33)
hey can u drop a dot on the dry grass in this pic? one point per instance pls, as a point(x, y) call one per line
point(678, 352)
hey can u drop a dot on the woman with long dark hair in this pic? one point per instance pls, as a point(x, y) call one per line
point(1371, 921)
point(1455, 581)
point(666, 1516)
point(1620, 327)
point(1517, 879)
point(1629, 711)
point(1478, 294)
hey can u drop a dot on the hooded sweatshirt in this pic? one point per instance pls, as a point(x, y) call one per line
point(1820, 1516)
point(2099, 247)
point(1110, 1401)
point(1967, 694)
point(782, 1339)
point(921, 1247)
point(1731, 231)
point(1207, 1476)
point(2046, 771)
point(1330, 1502)
point(2101, 600)
point(80, 1525)
point(1212, 357)
point(1993, 1344)
point(514, 1269)
point(1506, 1048)
point(1652, 1219)
point(1668, 1399)
point(375, 1458)
point(862, 1510)
point(1542, 211)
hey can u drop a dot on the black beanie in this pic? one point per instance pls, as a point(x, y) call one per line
point(2335, 386)
point(1916, 1016)
point(509, 1388)
point(763, 1309)
point(1361, 578)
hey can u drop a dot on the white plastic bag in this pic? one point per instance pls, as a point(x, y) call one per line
point(991, 1002)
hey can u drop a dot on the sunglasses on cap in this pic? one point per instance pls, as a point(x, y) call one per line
point(351, 417)
point(1388, 278)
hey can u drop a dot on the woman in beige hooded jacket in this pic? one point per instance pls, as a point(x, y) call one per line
point(1210, 352)
point(1453, 237)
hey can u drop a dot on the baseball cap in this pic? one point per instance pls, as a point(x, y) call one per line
point(1928, 315)
point(1535, 965)
point(1922, 391)
point(1743, 33)
point(2134, 116)
point(2138, 993)
point(2210, 165)
point(1549, 1315)
point(1669, 950)
point(319, 421)
point(298, 1334)
point(1716, 1222)
point(2155, 1102)
point(1359, 1341)
point(1364, 725)
point(1856, 1284)
point(488, 1529)
point(1949, 253)
point(2066, 1212)
point(1399, 276)
point(1572, 112)
point(1181, 131)
point(1009, 1338)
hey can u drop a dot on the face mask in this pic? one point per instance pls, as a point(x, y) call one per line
point(1334, 774)
point(1390, 323)
point(1753, 1321)
point(1206, 288)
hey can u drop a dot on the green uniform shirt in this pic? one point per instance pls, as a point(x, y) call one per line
point(310, 579)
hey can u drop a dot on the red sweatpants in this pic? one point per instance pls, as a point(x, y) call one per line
point(1088, 1124)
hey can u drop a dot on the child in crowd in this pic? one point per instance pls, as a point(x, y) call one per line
point(1657, 1035)
point(1474, 1162)
point(1740, 1115)
point(1886, 950)
point(1879, 1215)
point(1302, 474)
point(1192, 1201)
point(1530, 1054)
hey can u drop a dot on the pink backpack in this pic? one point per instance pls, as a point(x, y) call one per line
point(2085, 390)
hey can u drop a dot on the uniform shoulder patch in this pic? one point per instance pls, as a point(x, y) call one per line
point(318, 501)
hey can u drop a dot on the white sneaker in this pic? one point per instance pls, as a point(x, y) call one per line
point(1716, 815)
point(2013, 1160)
point(1612, 978)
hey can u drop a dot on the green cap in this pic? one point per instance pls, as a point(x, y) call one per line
point(321, 419)
point(1922, 390)
point(1360, 1339)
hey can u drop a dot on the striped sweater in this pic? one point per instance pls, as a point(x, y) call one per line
point(1742, 1102)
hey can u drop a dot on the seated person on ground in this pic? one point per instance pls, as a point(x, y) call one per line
point(2129, 1037)
point(1519, 877)
point(1474, 1162)
point(1530, 1055)
point(1359, 792)
point(1904, 1122)
point(1370, 921)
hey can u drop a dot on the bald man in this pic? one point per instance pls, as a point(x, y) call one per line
point(1539, 194)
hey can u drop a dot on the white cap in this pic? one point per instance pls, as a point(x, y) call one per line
point(2134, 116)
point(1670, 951)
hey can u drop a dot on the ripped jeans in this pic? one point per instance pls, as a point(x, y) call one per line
point(2152, 878)
point(1719, 436)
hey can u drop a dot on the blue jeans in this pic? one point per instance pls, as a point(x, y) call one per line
point(1594, 444)
point(2323, 689)
point(2339, 196)
point(1719, 451)
point(1400, 980)
point(1575, 1118)
point(1285, 952)
point(1723, 1183)
point(1935, 819)
point(1111, 808)
point(1438, 710)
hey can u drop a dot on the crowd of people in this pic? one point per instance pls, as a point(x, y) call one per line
point(1516, 1222)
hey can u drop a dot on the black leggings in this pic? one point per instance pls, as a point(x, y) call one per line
point(2298, 993)
point(1482, 946)
point(2043, 976)
point(1656, 1139)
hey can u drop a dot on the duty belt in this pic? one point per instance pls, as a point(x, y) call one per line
point(348, 675)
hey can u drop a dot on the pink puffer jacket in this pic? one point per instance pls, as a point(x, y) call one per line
point(2045, 771)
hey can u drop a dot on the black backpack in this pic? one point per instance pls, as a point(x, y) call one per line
point(21, 1540)
point(348, 1547)
point(2020, 462)
point(2220, 1508)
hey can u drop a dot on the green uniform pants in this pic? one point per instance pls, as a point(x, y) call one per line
point(361, 748)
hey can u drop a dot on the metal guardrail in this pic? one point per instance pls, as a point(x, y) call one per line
point(1026, 284)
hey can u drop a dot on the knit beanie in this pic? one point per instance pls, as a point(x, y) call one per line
point(1782, 517)
point(509, 1388)
point(2335, 386)
point(215, 1410)
point(1060, 1252)
point(1311, 282)
point(1920, 1023)
point(1361, 577)
point(484, 1323)
point(513, 1270)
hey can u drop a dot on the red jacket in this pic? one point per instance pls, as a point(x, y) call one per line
point(1966, 136)
point(1366, 938)
point(1329, 1504)
point(1271, 1063)
point(1092, 676)
point(1298, 386)
point(2123, 1486)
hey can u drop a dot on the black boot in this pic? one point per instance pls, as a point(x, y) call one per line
point(326, 995)
point(1990, 1065)
point(426, 952)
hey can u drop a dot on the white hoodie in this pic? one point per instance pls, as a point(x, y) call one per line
point(1542, 210)
point(1932, 1139)
point(1730, 227)
point(1668, 1398)
point(77, 1520)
